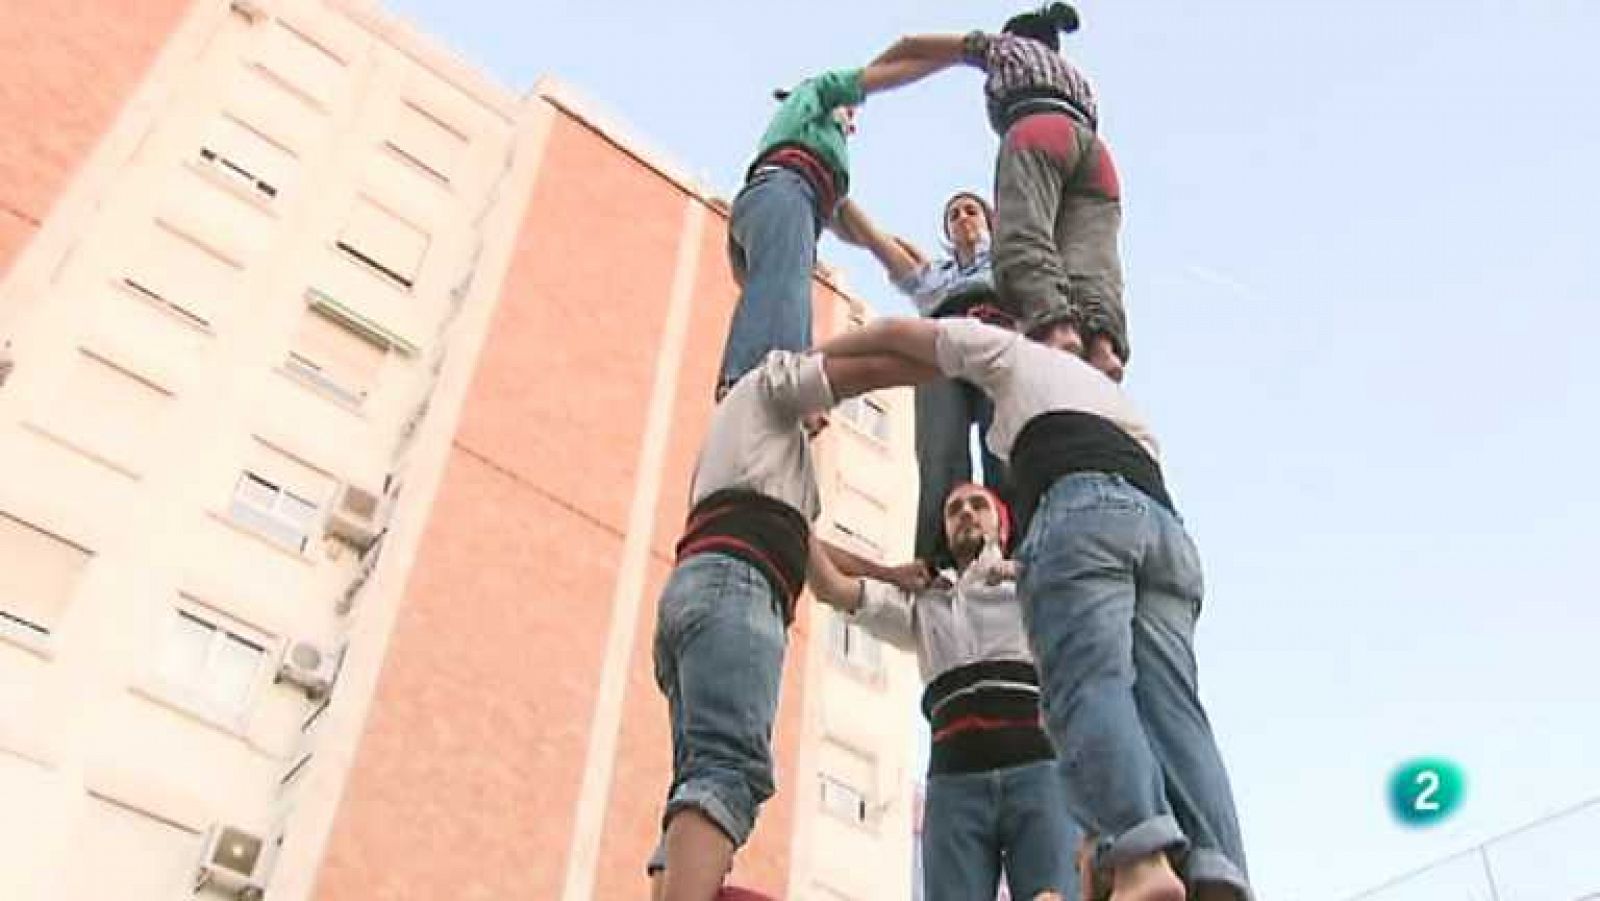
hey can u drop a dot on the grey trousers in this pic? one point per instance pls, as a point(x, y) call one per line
point(1058, 211)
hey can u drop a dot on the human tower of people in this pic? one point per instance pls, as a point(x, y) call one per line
point(1053, 600)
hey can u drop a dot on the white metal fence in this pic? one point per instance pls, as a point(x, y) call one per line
point(1556, 858)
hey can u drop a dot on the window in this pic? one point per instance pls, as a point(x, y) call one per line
point(852, 646)
point(213, 665)
point(842, 799)
point(114, 412)
point(384, 242)
point(247, 156)
point(868, 415)
point(301, 63)
point(279, 497)
point(38, 577)
point(426, 142)
point(857, 541)
point(136, 854)
point(859, 517)
point(335, 359)
point(179, 272)
point(273, 511)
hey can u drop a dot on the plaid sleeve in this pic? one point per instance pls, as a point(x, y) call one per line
point(976, 49)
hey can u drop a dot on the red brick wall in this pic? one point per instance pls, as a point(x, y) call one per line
point(483, 712)
point(68, 66)
point(466, 780)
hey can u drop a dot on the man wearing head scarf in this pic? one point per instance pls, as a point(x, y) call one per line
point(994, 802)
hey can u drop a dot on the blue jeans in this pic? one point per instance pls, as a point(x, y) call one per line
point(772, 247)
point(946, 412)
point(976, 823)
point(1111, 586)
point(719, 647)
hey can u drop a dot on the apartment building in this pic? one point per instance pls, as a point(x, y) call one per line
point(340, 466)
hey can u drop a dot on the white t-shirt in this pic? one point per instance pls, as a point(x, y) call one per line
point(1027, 379)
point(756, 441)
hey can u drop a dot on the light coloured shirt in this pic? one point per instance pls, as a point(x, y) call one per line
point(937, 281)
point(756, 441)
point(961, 619)
point(1027, 379)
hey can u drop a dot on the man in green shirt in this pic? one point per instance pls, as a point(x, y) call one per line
point(800, 174)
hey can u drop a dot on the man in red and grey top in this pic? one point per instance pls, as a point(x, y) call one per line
point(800, 173)
point(994, 799)
point(1058, 202)
point(722, 620)
point(1111, 585)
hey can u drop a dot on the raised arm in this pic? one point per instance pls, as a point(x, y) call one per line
point(861, 373)
point(831, 587)
point(913, 576)
point(881, 609)
point(900, 259)
point(913, 339)
point(945, 49)
point(883, 75)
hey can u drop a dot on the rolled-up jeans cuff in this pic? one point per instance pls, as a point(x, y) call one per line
point(1208, 865)
point(736, 827)
point(1153, 836)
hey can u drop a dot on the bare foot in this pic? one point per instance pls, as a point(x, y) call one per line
point(1149, 879)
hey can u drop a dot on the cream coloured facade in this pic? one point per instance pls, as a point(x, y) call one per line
point(855, 840)
point(242, 340)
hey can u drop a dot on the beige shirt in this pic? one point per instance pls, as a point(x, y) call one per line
point(1026, 379)
point(756, 441)
point(961, 619)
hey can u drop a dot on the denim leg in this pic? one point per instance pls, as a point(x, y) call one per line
point(717, 617)
point(1078, 592)
point(1170, 590)
point(772, 237)
point(1030, 175)
point(944, 457)
point(960, 849)
point(1039, 837)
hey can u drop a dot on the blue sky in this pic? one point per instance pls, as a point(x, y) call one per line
point(1360, 246)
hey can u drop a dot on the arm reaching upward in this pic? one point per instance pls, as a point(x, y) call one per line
point(881, 609)
point(866, 372)
point(913, 339)
point(899, 258)
point(888, 72)
point(831, 587)
point(944, 49)
point(911, 576)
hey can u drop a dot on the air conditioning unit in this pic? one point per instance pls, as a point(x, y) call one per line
point(311, 666)
point(359, 515)
point(234, 861)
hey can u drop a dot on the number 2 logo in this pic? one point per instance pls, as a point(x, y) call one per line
point(1425, 791)
point(1424, 802)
